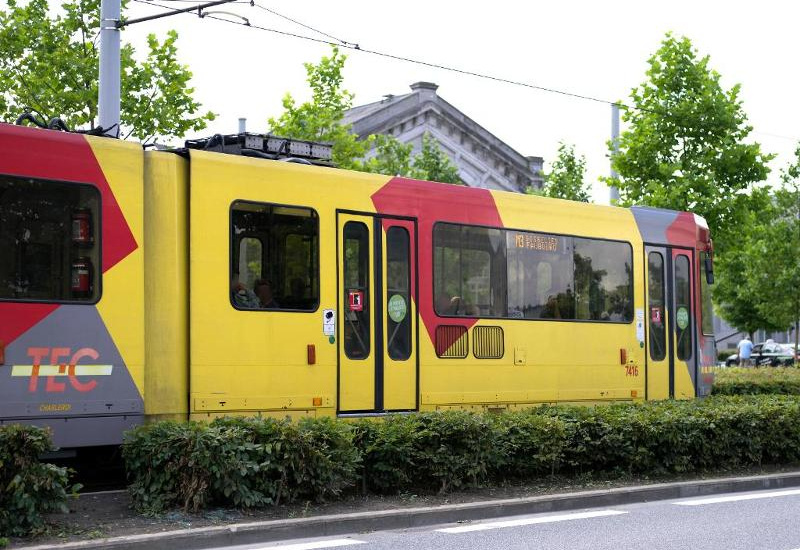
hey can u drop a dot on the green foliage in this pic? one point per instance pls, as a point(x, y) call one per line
point(686, 143)
point(528, 445)
point(28, 488)
point(566, 180)
point(320, 119)
point(773, 253)
point(240, 462)
point(754, 381)
point(432, 164)
point(49, 65)
point(257, 462)
point(394, 158)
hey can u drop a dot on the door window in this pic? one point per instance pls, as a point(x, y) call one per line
point(683, 303)
point(398, 294)
point(655, 296)
point(356, 290)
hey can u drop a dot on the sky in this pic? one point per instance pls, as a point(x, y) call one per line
point(590, 48)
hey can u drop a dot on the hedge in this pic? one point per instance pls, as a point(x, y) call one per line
point(28, 488)
point(756, 381)
point(261, 462)
point(237, 461)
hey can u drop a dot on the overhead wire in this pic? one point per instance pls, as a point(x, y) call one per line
point(356, 47)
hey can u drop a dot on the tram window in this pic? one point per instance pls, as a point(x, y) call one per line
point(274, 263)
point(356, 290)
point(655, 302)
point(398, 294)
point(544, 276)
point(539, 276)
point(683, 307)
point(603, 282)
point(469, 271)
point(49, 241)
point(705, 296)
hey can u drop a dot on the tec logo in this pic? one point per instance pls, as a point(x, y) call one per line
point(53, 363)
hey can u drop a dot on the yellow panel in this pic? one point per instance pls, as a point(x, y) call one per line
point(260, 403)
point(399, 377)
point(357, 376)
point(167, 308)
point(261, 354)
point(122, 303)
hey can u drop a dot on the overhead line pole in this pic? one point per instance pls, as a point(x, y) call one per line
point(108, 100)
point(109, 84)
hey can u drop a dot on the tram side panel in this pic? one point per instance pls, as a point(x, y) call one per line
point(255, 349)
point(166, 193)
point(484, 259)
point(71, 289)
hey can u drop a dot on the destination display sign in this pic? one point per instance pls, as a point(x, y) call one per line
point(535, 241)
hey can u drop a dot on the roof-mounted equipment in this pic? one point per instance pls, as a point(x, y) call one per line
point(266, 146)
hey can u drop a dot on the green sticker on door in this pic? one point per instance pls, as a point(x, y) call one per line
point(397, 308)
point(682, 317)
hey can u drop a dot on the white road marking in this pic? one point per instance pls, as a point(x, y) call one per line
point(734, 498)
point(529, 521)
point(335, 543)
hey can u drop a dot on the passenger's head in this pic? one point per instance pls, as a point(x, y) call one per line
point(263, 289)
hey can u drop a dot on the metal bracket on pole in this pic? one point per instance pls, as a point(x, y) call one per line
point(108, 100)
point(199, 8)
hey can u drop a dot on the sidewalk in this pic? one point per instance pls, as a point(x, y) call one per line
point(205, 531)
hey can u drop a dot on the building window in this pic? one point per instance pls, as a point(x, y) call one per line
point(49, 241)
point(274, 257)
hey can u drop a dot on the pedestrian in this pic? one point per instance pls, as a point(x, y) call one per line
point(745, 347)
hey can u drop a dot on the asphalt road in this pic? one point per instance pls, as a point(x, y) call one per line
point(765, 520)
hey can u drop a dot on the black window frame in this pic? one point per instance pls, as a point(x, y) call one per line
point(232, 243)
point(98, 228)
point(506, 229)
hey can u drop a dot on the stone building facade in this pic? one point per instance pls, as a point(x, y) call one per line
point(482, 159)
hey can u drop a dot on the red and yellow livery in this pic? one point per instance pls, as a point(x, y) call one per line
point(138, 285)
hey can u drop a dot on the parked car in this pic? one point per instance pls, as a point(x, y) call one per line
point(768, 354)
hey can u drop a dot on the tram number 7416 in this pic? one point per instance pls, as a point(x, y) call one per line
point(631, 370)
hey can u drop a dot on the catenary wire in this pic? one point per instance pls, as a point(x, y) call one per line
point(357, 47)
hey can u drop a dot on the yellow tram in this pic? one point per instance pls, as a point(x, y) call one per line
point(219, 279)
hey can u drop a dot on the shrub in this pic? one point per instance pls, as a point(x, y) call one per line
point(28, 488)
point(754, 381)
point(257, 462)
point(239, 462)
point(529, 445)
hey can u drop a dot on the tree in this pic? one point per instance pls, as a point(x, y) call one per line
point(737, 297)
point(566, 180)
point(774, 254)
point(49, 66)
point(393, 157)
point(685, 147)
point(432, 164)
point(320, 119)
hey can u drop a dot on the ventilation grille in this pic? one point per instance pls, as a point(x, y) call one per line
point(487, 342)
point(452, 341)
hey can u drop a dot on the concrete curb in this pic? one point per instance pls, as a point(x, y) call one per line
point(320, 526)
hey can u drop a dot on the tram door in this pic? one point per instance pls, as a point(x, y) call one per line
point(377, 314)
point(671, 354)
